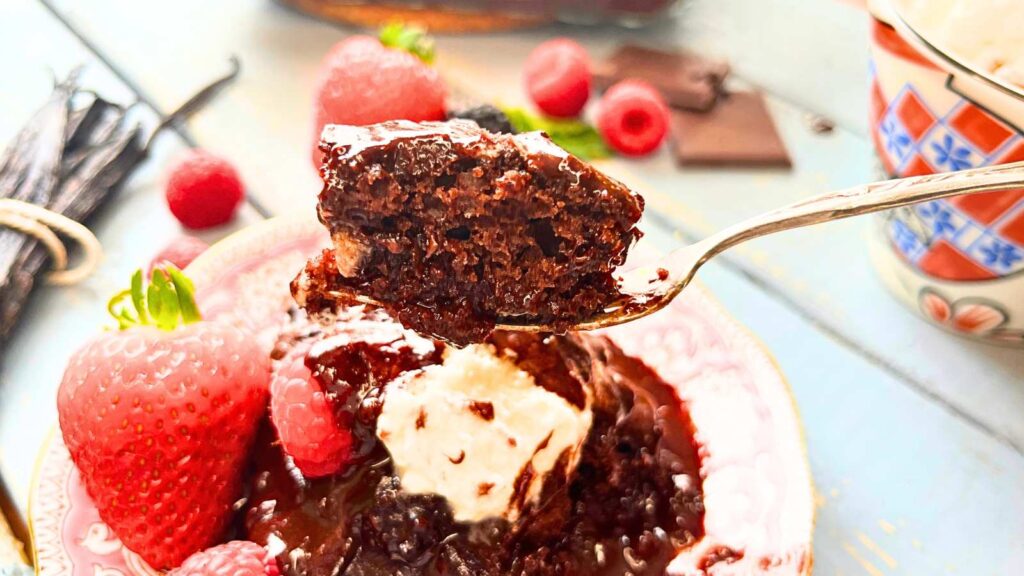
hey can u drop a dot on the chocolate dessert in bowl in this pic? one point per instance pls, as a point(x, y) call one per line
point(523, 454)
point(405, 443)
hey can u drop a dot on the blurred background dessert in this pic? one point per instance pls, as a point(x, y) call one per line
point(484, 15)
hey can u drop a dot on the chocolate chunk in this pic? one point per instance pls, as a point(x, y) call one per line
point(485, 410)
point(686, 80)
point(738, 132)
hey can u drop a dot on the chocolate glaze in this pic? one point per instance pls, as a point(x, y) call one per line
point(633, 502)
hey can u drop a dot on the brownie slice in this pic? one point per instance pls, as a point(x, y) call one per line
point(453, 228)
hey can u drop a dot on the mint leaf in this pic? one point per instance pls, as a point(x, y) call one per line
point(412, 39)
point(577, 137)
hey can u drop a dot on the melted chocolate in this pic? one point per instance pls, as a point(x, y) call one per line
point(354, 361)
point(557, 364)
point(633, 502)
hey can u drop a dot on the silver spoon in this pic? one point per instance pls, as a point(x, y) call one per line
point(649, 289)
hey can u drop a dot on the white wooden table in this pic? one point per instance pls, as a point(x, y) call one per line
point(916, 437)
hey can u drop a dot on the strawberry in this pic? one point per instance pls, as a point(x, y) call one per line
point(159, 417)
point(361, 81)
point(236, 558)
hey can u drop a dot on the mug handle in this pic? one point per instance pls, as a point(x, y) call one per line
point(979, 94)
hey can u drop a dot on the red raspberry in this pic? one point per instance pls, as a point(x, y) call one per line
point(305, 420)
point(236, 558)
point(363, 82)
point(633, 117)
point(557, 76)
point(180, 252)
point(203, 190)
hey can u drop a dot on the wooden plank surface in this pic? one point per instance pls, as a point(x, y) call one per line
point(809, 55)
point(917, 473)
point(33, 48)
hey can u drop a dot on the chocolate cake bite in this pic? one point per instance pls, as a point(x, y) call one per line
point(454, 229)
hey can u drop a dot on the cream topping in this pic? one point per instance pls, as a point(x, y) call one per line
point(480, 432)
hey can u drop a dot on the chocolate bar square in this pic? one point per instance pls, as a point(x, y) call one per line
point(739, 131)
point(685, 80)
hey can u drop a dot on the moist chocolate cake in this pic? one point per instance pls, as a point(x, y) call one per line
point(633, 501)
point(453, 228)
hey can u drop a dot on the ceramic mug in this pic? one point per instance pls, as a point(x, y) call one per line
point(959, 261)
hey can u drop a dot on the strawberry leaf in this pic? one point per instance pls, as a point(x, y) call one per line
point(412, 39)
point(139, 297)
point(124, 317)
point(166, 303)
point(154, 301)
point(185, 294)
point(169, 310)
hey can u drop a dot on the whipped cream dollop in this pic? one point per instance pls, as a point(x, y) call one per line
point(479, 431)
point(986, 33)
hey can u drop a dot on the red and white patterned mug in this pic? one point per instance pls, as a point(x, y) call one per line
point(960, 261)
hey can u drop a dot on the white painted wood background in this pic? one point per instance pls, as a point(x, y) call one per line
point(915, 436)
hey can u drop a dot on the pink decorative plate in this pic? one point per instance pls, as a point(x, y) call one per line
point(757, 483)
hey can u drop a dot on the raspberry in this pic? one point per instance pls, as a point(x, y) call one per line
point(305, 420)
point(363, 82)
point(203, 190)
point(180, 252)
point(236, 558)
point(557, 76)
point(633, 117)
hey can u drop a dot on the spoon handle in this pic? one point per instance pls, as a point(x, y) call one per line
point(864, 199)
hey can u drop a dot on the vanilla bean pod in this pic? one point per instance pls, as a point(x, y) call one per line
point(70, 158)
